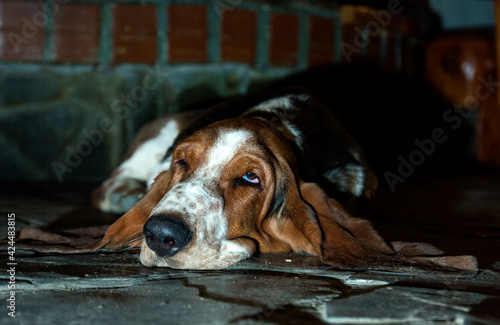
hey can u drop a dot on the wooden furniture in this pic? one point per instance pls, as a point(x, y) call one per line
point(462, 66)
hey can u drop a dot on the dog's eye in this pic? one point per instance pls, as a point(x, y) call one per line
point(182, 163)
point(251, 178)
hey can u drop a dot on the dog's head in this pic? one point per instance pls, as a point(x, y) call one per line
point(217, 197)
point(226, 196)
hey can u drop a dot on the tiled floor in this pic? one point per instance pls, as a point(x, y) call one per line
point(459, 213)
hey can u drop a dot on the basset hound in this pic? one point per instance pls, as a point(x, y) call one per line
point(267, 173)
point(260, 173)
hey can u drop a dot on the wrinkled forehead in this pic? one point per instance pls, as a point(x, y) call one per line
point(220, 145)
point(227, 144)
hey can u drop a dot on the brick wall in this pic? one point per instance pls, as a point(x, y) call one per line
point(213, 31)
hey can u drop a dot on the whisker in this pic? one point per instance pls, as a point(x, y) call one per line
point(134, 239)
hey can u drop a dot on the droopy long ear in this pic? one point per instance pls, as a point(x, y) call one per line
point(127, 231)
point(347, 242)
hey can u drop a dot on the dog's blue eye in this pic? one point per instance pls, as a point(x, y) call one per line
point(251, 178)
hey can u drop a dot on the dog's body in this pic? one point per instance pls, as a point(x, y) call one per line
point(253, 174)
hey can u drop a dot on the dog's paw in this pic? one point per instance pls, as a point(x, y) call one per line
point(118, 194)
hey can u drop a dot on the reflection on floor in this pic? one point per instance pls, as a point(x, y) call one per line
point(458, 213)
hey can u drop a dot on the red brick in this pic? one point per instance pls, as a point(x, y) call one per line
point(71, 47)
point(78, 17)
point(12, 12)
point(284, 39)
point(238, 39)
point(77, 33)
point(321, 40)
point(22, 31)
point(134, 33)
point(187, 33)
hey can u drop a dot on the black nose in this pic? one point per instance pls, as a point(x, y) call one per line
point(165, 235)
